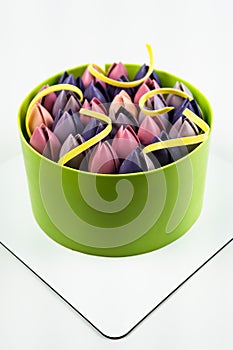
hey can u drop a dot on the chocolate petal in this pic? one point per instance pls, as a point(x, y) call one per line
point(116, 71)
point(103, 159)
point(70, 79)
point(58, 116)
point(124, 117)
point(59, 103)
point(38, 116)
point(97, 106)
point(124, 100)
point(48, 100)
point(143, 89)
point(87, 78)
point(85, 119)
point(154, 76)
point(146, 162)
point(187, 129)
point(45, 142)
point(148, 130)
point(63, 77)
point(92, 91)
point(174, 100)
point(133, 163)
point(175, 152)
point(125, 141)
point(73, 104)
point(142, 72)
point(194, 107)
point(64, 127)
point(79, 84)
point(79, 127)
point(175, 128)
point(91, 129)
point(103, 91)
point(70, 143)
point(162, 156)
point(115, 90)
point(177, 113)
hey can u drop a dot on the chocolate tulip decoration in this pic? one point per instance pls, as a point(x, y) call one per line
point(136, 161)
point(68, 123)
point(70, 143)
point(48, 100)
point(44, 141)
point(66, 102)
point(174, 100)
point(103, 159)
point(125, 141)
point(39, 115)
point(107, 123)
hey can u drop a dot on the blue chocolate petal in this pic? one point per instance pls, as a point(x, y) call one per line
point(90, 129)
point(103, 91)
point(132, 164)
point(63, 77)
point(177, 112)
point(115, 90)
point(161, 156)
point(193, 106)
point(58, 116)
point(92, 91)
point(70, 80)
point(79, 84)
point(77, 122)
point(142, 72)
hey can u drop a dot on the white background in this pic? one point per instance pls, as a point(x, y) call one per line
point(192, 39)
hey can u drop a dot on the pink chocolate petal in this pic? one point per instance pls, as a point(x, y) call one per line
point(45, 142)
point(125, 141)
point(116, 71)
point(148, 130)
point(103, 159)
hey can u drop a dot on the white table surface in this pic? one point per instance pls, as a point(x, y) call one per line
point(192, 40)
point(198, 316)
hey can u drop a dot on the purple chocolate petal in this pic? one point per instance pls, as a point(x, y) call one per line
point(59, 103)
point(64, 127)
point(91, 129)
point(70, 143)
point(70, 80)
point(73, 104)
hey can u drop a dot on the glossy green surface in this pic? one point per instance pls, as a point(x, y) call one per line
point(103, 215)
